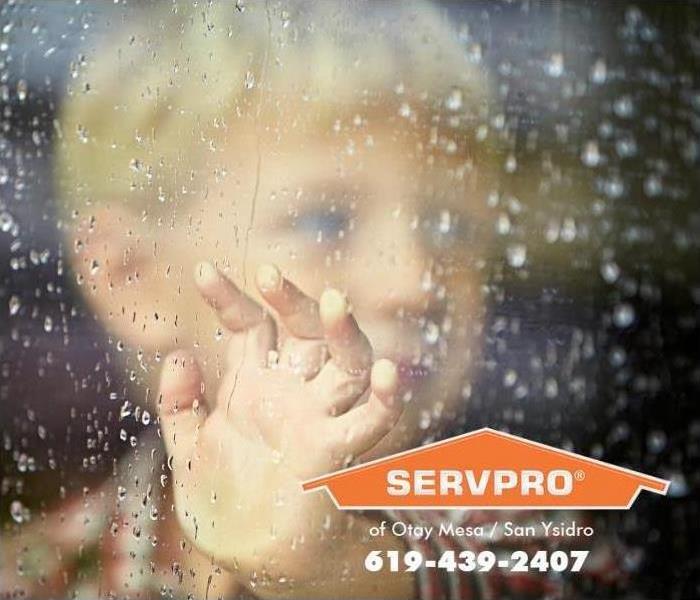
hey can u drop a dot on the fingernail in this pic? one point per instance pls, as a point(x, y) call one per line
point(205, 273)
point(333, 306)
point(384, 379)
point(268, 278)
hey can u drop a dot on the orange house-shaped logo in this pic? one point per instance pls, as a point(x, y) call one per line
point(486, 469)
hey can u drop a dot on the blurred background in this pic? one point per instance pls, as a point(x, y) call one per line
point(593, 331)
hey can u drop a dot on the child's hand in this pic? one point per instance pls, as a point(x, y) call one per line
point(281, 415)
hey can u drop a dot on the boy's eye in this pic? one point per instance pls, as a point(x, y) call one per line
point(322, 224)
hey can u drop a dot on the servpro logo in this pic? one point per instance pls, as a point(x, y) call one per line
point(486, 469)
point(428, 482)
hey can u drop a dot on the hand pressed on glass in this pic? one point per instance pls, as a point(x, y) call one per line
point(239, 454)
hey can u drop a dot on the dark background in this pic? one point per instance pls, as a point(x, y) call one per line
point(563, 364)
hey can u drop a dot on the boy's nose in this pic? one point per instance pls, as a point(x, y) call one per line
point(392, 272)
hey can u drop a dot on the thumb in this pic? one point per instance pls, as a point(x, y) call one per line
point(181, 407)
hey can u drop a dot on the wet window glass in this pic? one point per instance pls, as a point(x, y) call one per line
point(245, 244)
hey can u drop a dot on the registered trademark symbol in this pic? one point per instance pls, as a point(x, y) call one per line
point(579, 475)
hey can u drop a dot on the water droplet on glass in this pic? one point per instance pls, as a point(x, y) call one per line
point(624, 107)
point(610, 271)
point(474, 53)
point(591, 155)
point(555, 65)
point(431, 333)
point(679, 485)
point(618, 356)
point(653, 186)
point(614, 187)
point(445, 221)
point(125, 410)
point(22, 90)
point(510, 377)
point(18, 512)
point(656, 441)
point(568, 230)
point(249, 81)
point(623, 315)
point(425, 419)
point(6, 221)
point(466, 391)
point(454, 100)
point(516, 255)
point(599, 72)
point(83, 134)
point(626, 147)
point(503, 225)
point(551, 388)
point(15, 304)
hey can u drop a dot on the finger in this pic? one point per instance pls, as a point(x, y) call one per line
point(349, 347)
point(252, 346)
point(235, 309)
point(181, 407)
point(255, 332)
point(297, 311)
point(362, 427)
point(304, 358)
point(338, 389)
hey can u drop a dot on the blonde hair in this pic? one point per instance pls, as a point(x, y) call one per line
point(149, 109)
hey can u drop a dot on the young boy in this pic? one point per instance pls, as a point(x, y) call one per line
point(316, 175)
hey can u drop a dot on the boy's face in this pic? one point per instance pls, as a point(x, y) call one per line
point(367, 212)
